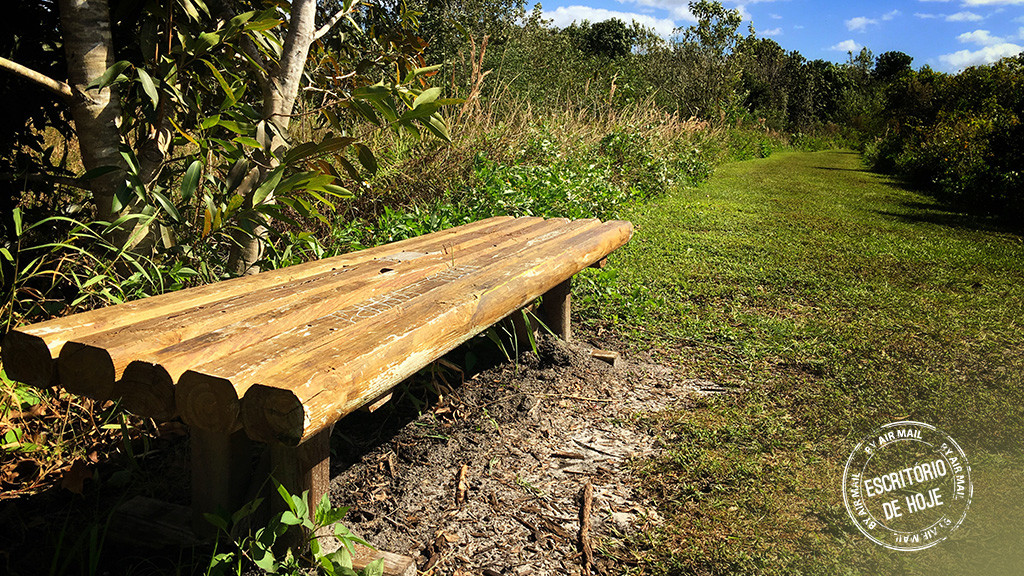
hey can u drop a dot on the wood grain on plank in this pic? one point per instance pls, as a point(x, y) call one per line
point(29, 351)
point(291, 404)
point(207, 394)
point(89, 365)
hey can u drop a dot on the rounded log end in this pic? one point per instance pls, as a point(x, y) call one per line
point(27, 359)
point(86, 370)
point(272, 415)
point(207, 402)
point(146, 389)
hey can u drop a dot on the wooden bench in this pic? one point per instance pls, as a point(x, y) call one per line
point(279, 357)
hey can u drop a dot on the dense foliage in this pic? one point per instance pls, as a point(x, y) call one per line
point(958, 137)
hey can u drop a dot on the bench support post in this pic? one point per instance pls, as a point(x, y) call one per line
point(220, 474)
point(301, 468)
point(554, 309)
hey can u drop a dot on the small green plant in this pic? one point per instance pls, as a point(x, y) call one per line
point(261, 548)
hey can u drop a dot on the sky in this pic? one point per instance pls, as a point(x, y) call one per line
point(948, 35)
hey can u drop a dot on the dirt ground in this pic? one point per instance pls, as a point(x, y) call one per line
point(524, 439)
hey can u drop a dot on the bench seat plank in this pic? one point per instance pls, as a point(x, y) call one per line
point(292, 404)
point(209, 394)
point(140, 362)
point(29, 352)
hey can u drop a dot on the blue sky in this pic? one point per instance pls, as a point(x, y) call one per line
point(948, 35)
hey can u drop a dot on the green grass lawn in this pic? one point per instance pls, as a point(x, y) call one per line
point(834, 301)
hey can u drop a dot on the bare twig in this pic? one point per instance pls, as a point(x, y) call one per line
point(326, 28)
point(461, 486)
point(586, 547)
point(59, 88)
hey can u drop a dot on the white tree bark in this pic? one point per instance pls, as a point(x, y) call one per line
point(96, 113)
point(280, 92)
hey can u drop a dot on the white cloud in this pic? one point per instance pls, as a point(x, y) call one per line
point(859, 24)
point(964, 17)
point(891, 15)
point(927, 16)
point(993, 2)
point(772, 32)
point(981, 38)
point(679, 9)
point(846, 46)
point(775, 17)
point(964, 58)
point(566, 15)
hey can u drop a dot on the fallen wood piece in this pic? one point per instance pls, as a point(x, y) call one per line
point(394, 564)
point(292, 404)
point(29, 352)
point(607, 356)
point(461, 486)
point(152, 524)
point(375, 405)
point(585, 545)
point(569, 397)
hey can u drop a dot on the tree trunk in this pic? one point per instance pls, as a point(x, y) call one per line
point(279, 96)
point(96, 113)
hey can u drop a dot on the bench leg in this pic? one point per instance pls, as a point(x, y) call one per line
point(301, 468)
point(220, 475)
point(554, 309)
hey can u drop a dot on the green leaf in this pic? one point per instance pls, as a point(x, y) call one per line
point(16, 215)
point(264, 24)
point(217, 521)
point(421, 111)
point(236, 127)
point(438, 128)
point(417, 72)
point(366, 158)
point(426, 97)
point(97, 172)
point(205, 41)
point(288, 517)
point(372, 93)
point(210, 122)
point(190, 9)
point(232, 98)
point(190, 181)
point(241, 19)
point(167, 205)
point(248, 141)
point(111, 75)
point(375, 568)
point(268, 186)
point(149, 87)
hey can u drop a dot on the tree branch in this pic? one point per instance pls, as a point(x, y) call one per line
point(323, 31)
point(47, 178)
point(60, 88)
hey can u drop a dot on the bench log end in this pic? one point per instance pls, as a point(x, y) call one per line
point(207, 402)
point(27, 359)
point(146, 389)
point(86, 370)
point(273, 415)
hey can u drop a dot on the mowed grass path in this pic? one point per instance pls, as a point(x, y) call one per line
point(834, 301)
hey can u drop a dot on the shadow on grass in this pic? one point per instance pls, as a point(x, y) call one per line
point(926, 210)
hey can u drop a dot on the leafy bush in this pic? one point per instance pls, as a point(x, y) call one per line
point(959, 137)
